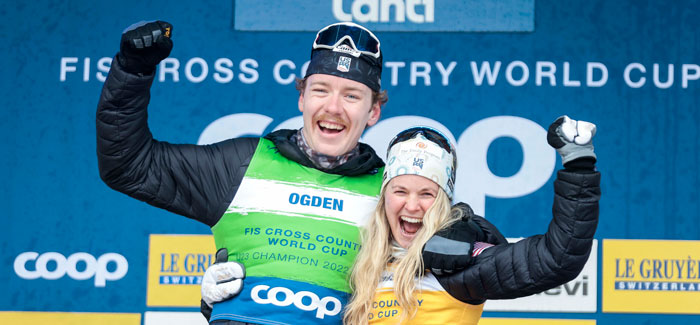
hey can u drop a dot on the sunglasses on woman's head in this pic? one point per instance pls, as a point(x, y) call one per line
point(431, 134)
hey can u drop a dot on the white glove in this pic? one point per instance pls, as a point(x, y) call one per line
point(572, 139)
point(222, 280)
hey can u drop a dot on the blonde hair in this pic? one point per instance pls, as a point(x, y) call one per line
point(375, 253)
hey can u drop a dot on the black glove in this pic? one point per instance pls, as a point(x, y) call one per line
point(450, 249)
point(144, 45)
point(492, 235)
point(221, 257)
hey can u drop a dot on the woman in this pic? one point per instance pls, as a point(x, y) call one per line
point(388, 279)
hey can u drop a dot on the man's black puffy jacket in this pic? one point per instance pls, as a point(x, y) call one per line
point(541, 262)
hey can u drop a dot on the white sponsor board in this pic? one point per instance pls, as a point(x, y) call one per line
point(174, 318)
point(579, 295)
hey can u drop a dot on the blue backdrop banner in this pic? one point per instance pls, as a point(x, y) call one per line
point(492, 75)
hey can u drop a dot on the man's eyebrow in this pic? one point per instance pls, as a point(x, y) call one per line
point(353, 88)
point(319, 83)
point(326, 84)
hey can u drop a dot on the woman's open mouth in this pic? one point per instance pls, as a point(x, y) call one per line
point(410, 226)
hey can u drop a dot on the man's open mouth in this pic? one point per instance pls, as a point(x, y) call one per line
point(330, 127)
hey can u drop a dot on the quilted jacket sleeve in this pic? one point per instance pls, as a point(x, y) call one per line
point(541, 262)
point(194, 181)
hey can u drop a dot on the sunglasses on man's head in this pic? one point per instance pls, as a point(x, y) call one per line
point(361, 39)
point(431, 134)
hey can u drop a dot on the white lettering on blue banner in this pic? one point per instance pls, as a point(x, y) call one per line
point(388, 15)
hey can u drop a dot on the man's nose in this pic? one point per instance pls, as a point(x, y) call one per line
point(335, 104)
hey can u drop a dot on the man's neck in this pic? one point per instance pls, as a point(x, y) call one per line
point(322, 161)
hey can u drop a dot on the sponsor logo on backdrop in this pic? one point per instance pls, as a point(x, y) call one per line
point(388, 15)
point(77, 266)
point(515, 73)
point(578, 295)
point(651, 276)
point(380, 11)
point(176, 264)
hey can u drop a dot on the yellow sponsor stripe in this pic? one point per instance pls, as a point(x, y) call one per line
point(534, 321)
point(62, 318)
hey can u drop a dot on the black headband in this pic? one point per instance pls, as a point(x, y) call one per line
point(364, 69)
